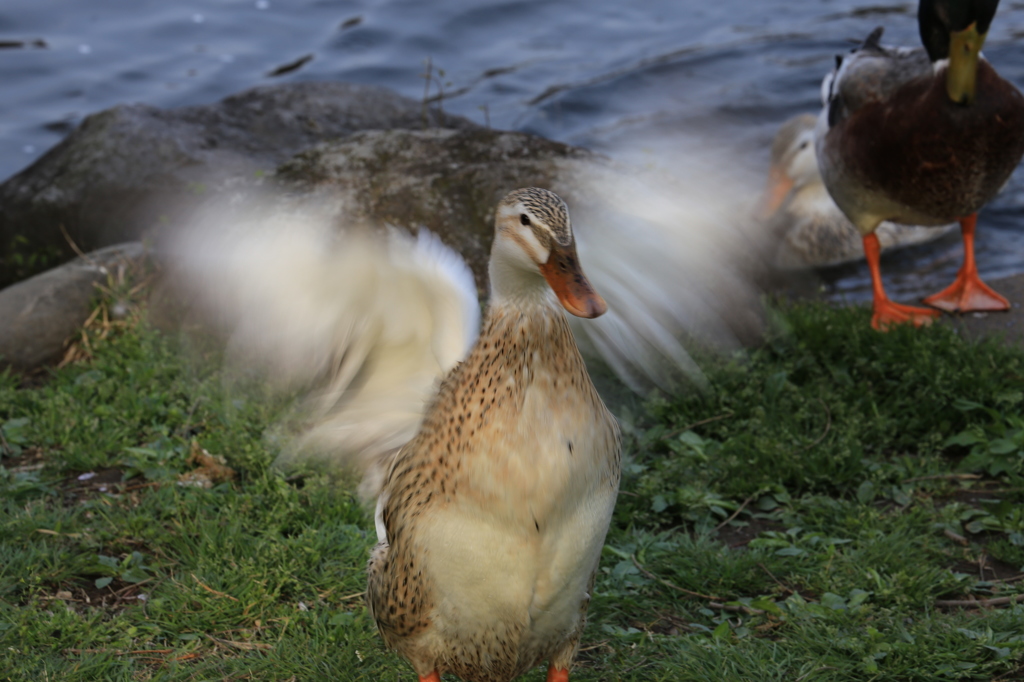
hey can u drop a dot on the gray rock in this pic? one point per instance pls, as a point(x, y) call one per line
point(672, 272)
point(446, 180)
point(130, 169)
point(39, 314)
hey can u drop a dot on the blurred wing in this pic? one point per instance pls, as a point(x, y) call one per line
point(371, 323)
point(670, 258)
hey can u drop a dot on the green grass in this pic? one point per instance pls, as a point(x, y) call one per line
point(803, 520)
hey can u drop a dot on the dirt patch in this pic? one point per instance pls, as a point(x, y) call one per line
point(980, 494)
point(988, 568)
point(663, 624)
point(78, 488)
point(83, 594)
point(30, 459)
point(737, 536)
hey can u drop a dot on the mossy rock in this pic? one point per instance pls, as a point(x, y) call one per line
point(448, 181)
point(136, 170)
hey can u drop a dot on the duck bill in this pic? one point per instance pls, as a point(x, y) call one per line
point(779, 185)
point(962, 73)
point(574, 291)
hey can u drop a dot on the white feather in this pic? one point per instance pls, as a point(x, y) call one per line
point(667, 257)
point(371, 323)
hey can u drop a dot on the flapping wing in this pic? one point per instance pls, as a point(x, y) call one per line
point(668, 257)
point(369, 323)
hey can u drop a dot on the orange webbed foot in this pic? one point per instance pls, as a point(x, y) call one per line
point(432, 677)
point(966, 294)
point(888, 314)
point(557, 674)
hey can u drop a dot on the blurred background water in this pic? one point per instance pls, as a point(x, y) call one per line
point(598, 73)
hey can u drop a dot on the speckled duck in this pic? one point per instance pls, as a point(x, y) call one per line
point(491, 519)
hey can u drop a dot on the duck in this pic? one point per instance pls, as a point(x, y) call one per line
point(492, 518)
point(796, 208)
point(490, 460)
point(921, 136)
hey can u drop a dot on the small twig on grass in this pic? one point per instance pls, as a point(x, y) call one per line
point(981, 603)
point(1012, 579)
point(118, 652)
point(47, 531)
point(816, 670)
point(642, 664)
point(735, 513)
point(3, 444)
point(1000, 491)
point(738, 608)
point(71, 242)
point(187, 424)
point(186, 657)
point(287, 621)
point(777, 581)
point(702, 422)
point(828, 425)
point(130, 586)
point(956, 537)
point(769, 625)
point(949, 477)
point(211, 590)
point(248, 646)
point(594, 646)
point(650, 576)
point(352, 596)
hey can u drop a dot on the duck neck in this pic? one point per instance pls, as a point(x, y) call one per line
point(515, 280)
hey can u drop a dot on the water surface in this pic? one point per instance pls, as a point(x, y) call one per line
point(598, 73)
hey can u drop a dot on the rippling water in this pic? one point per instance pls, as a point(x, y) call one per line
point(599, 73)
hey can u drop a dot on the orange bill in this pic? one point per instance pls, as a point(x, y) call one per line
point(566, 279)
point(778, 188)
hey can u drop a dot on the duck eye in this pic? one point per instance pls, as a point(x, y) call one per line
point(803, 145)
point(524, 219)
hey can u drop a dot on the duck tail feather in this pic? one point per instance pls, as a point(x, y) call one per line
point(874, 39)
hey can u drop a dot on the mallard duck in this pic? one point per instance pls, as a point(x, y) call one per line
point(810, 228)
point(922, 137)
point(492, 459)
point(492, 518)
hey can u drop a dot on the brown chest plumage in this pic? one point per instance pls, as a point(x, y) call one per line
point(936, 157)
point(459, 460)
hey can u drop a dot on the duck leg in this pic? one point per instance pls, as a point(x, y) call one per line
point(557, 674)
point(968, 292)
point(886, 312)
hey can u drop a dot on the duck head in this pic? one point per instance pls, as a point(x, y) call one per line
point(534, 250)
point(793, 163)
point(956, 30)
